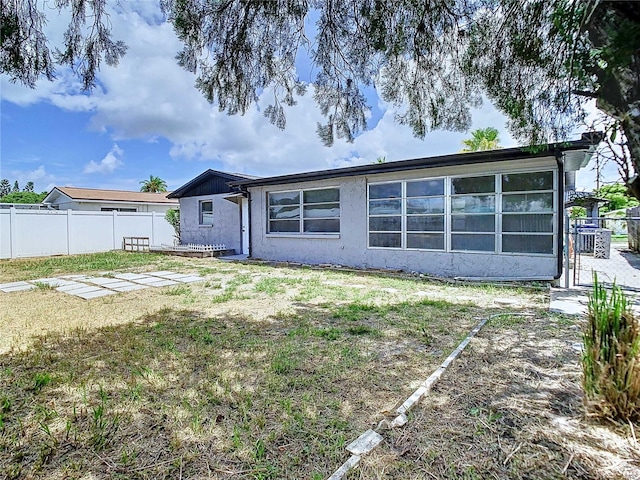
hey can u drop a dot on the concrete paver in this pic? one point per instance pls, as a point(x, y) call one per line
point(130, 276)
point(128, 288)
point(154, 281)
point(54, 282)
point(96, 293)
point(16, 287)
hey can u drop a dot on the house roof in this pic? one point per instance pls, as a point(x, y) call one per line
point(210, 182)
point(101, 195)
point(577, 154)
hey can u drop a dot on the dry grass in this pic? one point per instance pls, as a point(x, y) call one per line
point(262, 372)
point(509, 407)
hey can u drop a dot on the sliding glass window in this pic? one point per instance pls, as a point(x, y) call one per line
point(304, 211)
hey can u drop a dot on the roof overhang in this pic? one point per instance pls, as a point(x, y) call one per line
point(235, 197)
point(583, 149)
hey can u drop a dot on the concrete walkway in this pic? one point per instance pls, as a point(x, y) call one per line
point(573, 301)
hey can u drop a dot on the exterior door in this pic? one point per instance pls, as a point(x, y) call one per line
point(244, 215)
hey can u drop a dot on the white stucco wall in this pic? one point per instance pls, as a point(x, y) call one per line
point(349, 247)
point(226, 222)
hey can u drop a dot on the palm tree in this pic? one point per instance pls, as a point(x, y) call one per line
point(153, 185)
point(482, 139)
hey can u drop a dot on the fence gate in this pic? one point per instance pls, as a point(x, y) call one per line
point(602, 246)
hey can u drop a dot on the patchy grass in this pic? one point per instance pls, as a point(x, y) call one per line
point(265, 373)
point(43, 267)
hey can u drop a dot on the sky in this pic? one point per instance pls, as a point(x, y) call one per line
point(147, 118)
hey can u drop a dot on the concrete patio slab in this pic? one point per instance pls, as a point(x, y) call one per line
point(103, 281)
point(16, 287)
point(79, 289)
point(54, 282)
point(96, 293)
point(128, 288)
point(154, 281)
point(130, 276)
point(162, 273)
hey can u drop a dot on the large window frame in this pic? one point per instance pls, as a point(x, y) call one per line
point(483, 213)
point(304, 212)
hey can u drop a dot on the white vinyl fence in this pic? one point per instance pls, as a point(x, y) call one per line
point(36, 233)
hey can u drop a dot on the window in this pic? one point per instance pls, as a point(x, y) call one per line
point(206, 212)
point(528, 213)
point(473, 208)
point(114, 209)
point(304, 211)
point(501, 213)
point(407, 214)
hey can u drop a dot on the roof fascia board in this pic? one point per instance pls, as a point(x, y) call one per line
point(420, 163)
point(178, 192)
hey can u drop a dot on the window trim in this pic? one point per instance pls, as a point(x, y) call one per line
point(301, 233)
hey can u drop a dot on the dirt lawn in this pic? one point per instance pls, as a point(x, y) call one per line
point(268, 372)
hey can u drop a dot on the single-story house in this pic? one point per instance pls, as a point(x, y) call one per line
point(212, 213)
point(91, 199)
point(488, 214)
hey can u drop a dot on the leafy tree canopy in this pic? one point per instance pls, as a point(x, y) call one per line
point(537, 61)
point(482, 139)
point(618, 196)
point(5, 187)
point(23, 197)
point(153, 185)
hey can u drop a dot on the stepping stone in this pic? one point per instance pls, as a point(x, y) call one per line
point(104, 281)
point(154, 281)
point(16, 287)
point(189, 279)
point(76, 277)
point(72, 287)
point(96, 293)
point(79, 289)
point(130, 276)
point(128, 288)
point(119, 284)
point(181, 277)
point(54, 282)
point(163, 273)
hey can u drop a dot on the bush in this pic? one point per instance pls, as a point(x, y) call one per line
point(611, 363)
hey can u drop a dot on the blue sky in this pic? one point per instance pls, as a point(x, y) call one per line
point(146, 118)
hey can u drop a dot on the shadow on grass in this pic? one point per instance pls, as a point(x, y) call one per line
point(180, 394)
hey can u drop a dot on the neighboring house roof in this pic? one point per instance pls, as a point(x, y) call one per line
point(576, 154)
point(100, 195)
point(210, 182)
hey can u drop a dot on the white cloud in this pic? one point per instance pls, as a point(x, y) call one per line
point(39, 176)
point(108, 164)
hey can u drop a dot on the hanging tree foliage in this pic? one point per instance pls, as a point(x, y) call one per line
point(538, 61)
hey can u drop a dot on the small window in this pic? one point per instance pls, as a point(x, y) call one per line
point(206, 212)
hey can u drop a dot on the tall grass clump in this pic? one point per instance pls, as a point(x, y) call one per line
point(611, 363)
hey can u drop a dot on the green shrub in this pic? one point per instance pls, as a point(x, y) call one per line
point(611, 363)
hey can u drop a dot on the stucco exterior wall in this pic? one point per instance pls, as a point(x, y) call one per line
point(349, 247)
point(226, 222)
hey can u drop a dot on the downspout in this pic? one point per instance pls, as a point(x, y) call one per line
point(249, 219)
point(560, 241)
